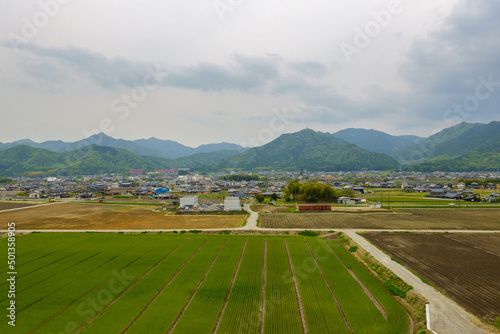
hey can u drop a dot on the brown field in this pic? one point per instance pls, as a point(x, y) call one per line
point(411, 219)
point(464, 267)
point(270, 208)
point(13, 205)
point(72, 216)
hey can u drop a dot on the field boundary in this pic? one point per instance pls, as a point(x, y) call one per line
point(297, 292)
point(186, 305)
point(262, 310)
point(339, 307)
point(226, 299)
point(163, 287)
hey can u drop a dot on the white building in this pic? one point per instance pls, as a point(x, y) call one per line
point(232, 203)
point(189, 201)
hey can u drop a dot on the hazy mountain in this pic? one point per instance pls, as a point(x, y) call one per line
point(150, 147)
point(94, 159)
point(311, 150)
point(173, 149)
point(377, 141)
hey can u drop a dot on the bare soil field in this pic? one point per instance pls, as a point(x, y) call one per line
point(270, 208)
point(13, 205)
point(411, 219)
point(72, 216)
point(464, 267)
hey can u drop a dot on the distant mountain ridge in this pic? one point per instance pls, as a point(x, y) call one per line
point(92, 159)
point(462, 147)
point(148, 147)
point(377, 141)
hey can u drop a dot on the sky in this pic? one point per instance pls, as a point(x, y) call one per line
point(244, 71)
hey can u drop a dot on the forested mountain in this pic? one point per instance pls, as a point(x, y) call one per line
point(308, 149)
point(377, 141)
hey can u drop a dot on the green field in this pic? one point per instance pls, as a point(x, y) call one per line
point(158, 283)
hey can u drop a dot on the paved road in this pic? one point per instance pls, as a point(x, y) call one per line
point(446, 317)
point(252, 220)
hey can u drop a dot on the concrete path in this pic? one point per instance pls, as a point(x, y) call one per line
point(252, 220)
point(31, 206)
point(446, 317)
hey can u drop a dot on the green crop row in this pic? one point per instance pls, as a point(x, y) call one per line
point(242, 313)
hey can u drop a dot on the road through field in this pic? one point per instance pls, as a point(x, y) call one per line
point(446, 317)
point(252, 220)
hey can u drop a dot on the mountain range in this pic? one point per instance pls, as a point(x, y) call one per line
point(378, 141)
point(149, 147)
point(463, 147)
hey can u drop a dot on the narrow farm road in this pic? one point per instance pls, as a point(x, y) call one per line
point(446, 317)
point(252, 220)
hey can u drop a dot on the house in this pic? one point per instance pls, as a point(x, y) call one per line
point(191, 201)
point(34, 194)
point(232, 203)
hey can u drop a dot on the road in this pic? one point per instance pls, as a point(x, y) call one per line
point(446, 317)
point(252, 220)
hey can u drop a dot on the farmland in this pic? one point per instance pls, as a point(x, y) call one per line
point(13, 205)
point(73, 216)
point(464, 267)
point(165, 283)
point(412, 219)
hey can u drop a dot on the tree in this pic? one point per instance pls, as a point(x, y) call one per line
point(259, 198)
point(311, 191)
point(274, 197)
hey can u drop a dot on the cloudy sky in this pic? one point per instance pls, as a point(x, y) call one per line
point(244, 71)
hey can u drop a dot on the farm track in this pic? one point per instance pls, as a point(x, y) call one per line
point(226, 299)
point(299, 299)
point(263, 292)
point(446, 316)
point(339, 307)
point(365, 289)
point(130, 287)
point(186, 305)
point(163, 288)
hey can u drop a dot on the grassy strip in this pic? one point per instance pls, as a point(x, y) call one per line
point(413, 302)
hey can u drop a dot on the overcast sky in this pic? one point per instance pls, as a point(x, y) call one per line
point(244, 71)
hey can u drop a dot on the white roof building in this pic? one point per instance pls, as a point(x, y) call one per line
point(189, 201)
point(232, 203)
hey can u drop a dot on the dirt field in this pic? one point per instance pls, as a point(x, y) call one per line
point(13, 205)
point(72, 216)
point(464, 267)
point(411, 219)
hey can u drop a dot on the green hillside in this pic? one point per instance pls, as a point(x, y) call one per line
point(310, 150)
point(463, 147)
